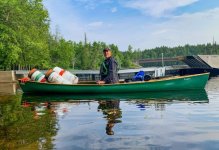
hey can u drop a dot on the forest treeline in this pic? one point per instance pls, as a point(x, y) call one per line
point(26, 42)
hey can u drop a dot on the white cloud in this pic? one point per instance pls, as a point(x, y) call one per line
point(159, 32)
point(92, 4)
point(197, 28)
point(156, 8)
point(95, 24)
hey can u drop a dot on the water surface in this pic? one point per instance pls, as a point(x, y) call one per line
point(161, 120)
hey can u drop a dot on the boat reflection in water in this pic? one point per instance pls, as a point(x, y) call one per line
point(180, 96)
point(109, 104)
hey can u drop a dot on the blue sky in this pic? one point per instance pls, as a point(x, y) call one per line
point(142, 24)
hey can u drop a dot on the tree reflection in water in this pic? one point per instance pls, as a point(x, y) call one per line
point(111, 112)
point(21, 129)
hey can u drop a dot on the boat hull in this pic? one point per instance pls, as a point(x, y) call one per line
point(166, 84)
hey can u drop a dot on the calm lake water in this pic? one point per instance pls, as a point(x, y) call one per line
point(156, 121)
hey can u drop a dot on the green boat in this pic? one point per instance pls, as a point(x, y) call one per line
point(189, 82)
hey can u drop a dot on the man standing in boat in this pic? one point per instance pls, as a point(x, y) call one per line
point(108, 69)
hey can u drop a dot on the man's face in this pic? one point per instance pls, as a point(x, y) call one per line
point(107, 53)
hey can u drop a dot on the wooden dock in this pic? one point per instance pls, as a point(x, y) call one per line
point(8, 82)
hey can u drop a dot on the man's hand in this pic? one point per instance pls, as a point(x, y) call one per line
point(100, 82)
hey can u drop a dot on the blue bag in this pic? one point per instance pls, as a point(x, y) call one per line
point(139, 76)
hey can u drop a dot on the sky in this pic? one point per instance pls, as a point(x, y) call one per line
point(143, 24)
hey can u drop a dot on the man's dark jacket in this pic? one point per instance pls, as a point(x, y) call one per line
point(108, 71)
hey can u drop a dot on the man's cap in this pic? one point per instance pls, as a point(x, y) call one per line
point(106, 49)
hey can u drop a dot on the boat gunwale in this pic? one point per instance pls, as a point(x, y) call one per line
point(117, 84)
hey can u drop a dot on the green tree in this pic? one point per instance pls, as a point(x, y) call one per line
point(9, 47)
point(29, 22)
